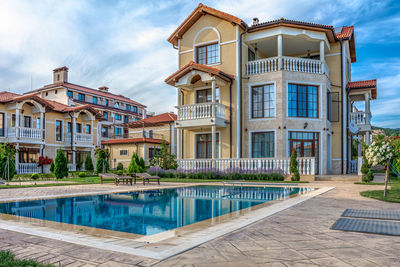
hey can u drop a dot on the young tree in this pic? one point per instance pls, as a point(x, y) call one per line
point(7, 161)
point(164, 159)
point(52, 166)
point(120, 166)
point(89, 163)
point(134, 165)
point(60, 165)
point(293, 166)
point(103, 157)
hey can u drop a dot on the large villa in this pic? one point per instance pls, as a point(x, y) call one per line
point(268, 159)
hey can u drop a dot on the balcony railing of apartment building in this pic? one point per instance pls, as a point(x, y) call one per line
point(79, 138)
point(201, 111)
point(295, 64)
point(306, 165)
point(24, 132)
point(360, 117)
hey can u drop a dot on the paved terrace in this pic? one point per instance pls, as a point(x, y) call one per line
point(298, 236)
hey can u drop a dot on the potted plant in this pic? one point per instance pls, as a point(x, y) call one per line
point(45, 163)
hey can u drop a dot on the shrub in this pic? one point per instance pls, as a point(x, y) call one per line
point(293, 166)
point(81, 174)
point(89, 163)
point(365, 168)
point(368, 177)
point(103, 157)
point(34, 176)
point(120, 166)
point(134, 165)
point(61, 165)
point(78, 166)
point(52, 166)
point(119, 172)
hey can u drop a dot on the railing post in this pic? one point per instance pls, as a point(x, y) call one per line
point(312, 166)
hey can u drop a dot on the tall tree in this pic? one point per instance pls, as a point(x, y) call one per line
point(60, 165)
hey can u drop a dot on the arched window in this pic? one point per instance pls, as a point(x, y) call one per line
point(206, 46)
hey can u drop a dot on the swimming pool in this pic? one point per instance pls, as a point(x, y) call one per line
point(151, 211)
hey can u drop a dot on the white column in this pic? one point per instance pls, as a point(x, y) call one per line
point(367, 138)
point(279, 39)
point(178, 96)
point(178, 143)
point(322, 55)
point(214, 141)
point(73, 134)
point(144, 152)
point(41, 125)
point(213, 97)
point(17, 157)
point(92, 131)
point(17, 123)
point(367, 109)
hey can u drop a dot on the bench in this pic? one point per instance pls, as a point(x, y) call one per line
point(117, 178)
point(144, 176)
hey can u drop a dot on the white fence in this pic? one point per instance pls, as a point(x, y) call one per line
point(28, 168)
point(23, 132)
point(296, 64)
point(71, 167)
point(79, 137)
point(306, 165)
point(201, 111)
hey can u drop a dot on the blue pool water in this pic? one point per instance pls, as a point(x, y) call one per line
point(148, 212)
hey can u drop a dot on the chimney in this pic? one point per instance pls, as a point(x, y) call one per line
point(103, 89)
point(60, 75)
point(255, 21)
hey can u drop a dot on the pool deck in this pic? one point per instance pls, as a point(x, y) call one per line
point(296, 236)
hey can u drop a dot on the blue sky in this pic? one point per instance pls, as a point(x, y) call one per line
point(122, 44)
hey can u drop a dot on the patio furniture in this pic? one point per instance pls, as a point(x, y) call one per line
point(147, 177)
point(107, 176)
point(117, 178)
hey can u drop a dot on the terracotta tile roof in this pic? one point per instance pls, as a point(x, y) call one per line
point(195, 66)
point(160, 119)
point(197, 13)
point(345, 33)
point(6, 96)
point(133, 140)
point(367, 84)
point(88, 90)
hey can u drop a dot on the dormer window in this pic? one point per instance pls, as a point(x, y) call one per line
point(107, 102)
point(207, 54)
point(81, 97)
point(70, 94)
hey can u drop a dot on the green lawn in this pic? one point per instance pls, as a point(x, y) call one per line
point(187, 180)
point(393, 195)
point(7, 259)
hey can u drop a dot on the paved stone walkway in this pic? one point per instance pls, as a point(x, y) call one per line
point(298, 236)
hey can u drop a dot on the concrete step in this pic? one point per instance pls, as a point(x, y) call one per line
point(333, 177)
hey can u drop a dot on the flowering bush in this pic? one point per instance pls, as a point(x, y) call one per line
point(44, 160)
point(379, 152)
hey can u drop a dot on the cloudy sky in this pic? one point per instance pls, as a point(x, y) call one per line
point(122, 44)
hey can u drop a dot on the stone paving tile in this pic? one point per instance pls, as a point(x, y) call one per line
point(387, 261)
point(330, 262)
point(303, 263)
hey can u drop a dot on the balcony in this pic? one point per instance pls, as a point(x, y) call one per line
point(31, 134)
point(294, 64)
point(204, 114)
point(80, 139)
point(361, 119)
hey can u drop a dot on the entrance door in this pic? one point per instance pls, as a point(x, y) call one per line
point(306, 145)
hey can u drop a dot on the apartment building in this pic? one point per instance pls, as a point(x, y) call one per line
point(116, 109)
point(145, 138)
point(38, 127)
point(247, 95)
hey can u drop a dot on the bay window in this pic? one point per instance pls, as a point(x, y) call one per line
point(303, 100)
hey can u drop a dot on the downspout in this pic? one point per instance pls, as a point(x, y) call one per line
point(240, 93)
point(182, 137)
point(72, 135)
point(341, 94)
point(230, 120)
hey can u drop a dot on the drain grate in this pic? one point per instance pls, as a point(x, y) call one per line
point(373, 214)
point(368, 226)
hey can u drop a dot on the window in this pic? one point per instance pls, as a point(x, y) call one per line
point(69, 127)
point(118, 131)
point(306, 145)
point(94, 100)
point(13, 120)
point(128, 107)
point(79, 128)
point(107, 102)
point(303, 101)
point(151, 134)
point(203, 146)
point(123, 152)
point(116, 105)
point(70, 94)
point(105, 115)
point(55, 92)
point(88, 129)
point(126, 132)
point(118, 117)
point(207, 54)
point(27, 121)
point(205, 95)
point(126, 118)
point(58, 130)
point(28, 155)
point(153, 151)
point(81, 97)
point(263, 101)
point(251, 55)
point(134, 109)
point(263, 145)
point(333, 106)
point(104, 131)
point(2, 124)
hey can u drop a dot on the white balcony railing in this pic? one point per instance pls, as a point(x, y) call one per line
point(71, 167)
point(79, 138)
point(353, 166)
point(358, 117)
point(201, 111)
point(23, 132)
point(306, 165)
point(295, 64)
point(28, 168)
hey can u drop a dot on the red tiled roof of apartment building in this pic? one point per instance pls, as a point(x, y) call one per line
point(88, 90)
point(197, 13)
point(367, 84)
point(6, 96)
point(196, 66)
point(133, 140)
point(345, 33)
point(160, 119)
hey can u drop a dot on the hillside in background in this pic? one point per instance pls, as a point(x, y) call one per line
point(388, 131)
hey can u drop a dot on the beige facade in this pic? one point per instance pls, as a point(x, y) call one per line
point(287, 86)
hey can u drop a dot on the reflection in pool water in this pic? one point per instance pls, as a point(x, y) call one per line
point(151, 211)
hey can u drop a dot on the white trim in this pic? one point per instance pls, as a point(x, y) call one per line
point(203, 29)
point(250, 155)
point(185, 52)
point(319, 118)
point(250, 85)
point(320, 144)
point(333, 54)
point(195, 144)
point(228, 42)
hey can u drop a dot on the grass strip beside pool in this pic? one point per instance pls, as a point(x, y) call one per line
point(7, 259)
point(393, 194)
